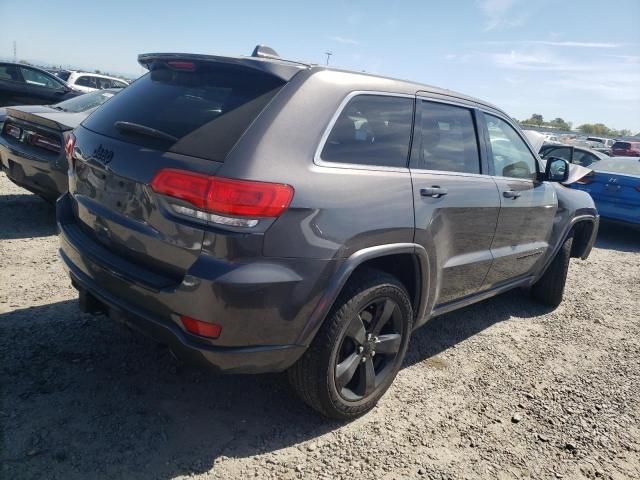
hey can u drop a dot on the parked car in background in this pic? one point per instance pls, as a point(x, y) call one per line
point(27, 85)
point(578, 155)
point(32, 142)
point(89, 82)
point(625, 149)
point(614, 185)
point(193, 216)
point(600, 144)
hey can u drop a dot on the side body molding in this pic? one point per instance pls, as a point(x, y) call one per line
point(345, 270)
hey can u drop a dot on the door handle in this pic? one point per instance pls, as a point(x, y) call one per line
point(510, 194)
point(435, 191)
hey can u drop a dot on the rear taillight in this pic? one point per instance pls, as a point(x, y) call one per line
point(244, 201)
point(70, 146)
point(203, 329)
point(47, 143)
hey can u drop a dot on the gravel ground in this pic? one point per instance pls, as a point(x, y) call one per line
point(504, 389)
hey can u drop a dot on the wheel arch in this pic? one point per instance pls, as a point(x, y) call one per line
point(406, 261)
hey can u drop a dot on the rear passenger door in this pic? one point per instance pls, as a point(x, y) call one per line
point(528, 205)
point(456, 201)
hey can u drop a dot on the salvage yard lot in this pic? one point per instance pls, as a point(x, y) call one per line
point(504, 389)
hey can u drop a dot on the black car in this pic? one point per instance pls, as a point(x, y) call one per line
point(578, 155)
point(33, 137)
point(27, 85)
point(266, 215)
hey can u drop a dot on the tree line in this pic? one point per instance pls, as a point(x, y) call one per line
point(599, 129)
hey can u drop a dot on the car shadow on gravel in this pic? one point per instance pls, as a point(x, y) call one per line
point(616, 236)
point(26, 216)
point(85, 397)
point(445, 331)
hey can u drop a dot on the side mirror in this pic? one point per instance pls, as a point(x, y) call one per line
point(557, 169)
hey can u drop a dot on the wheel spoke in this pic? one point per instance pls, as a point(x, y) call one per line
point(346, 369)
point(356, 330)
point(367, 378)
point(388, 344)
point(383, 314)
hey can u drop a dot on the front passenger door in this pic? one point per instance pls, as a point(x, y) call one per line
point(527, 205)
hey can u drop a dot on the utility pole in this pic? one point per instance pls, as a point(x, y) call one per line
point(15, 56)
point(328, 54)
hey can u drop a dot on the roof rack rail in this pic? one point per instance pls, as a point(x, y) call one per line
point(262, 51)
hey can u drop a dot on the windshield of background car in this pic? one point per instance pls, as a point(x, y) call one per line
point(625, 165)
point(85, 102)
point(621, 145)
point(205, 109)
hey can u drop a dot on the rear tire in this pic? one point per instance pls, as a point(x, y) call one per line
point(549, 289)
point(358, 350)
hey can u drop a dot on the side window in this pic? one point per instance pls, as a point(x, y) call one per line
point(85, 81)
point(103, 83)
point(371, 130)
point(583, 158)
point(39, 79)
point(509, 154)
point(10, 73)
point(448, 140)
point(118, 84)
point(558, 152)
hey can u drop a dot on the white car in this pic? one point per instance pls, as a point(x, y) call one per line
point(89, 82)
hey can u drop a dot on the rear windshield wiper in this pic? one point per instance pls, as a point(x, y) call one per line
point(58, 108)
point(143, 130)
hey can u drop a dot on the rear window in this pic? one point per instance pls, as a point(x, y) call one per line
point(200, 113)
point(622, 145)
point(85, 102)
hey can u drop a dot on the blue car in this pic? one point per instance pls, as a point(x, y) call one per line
point(614, 185)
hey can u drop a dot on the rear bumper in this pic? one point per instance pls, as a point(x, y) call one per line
point(257, 359)
point(262, 306)
point(45, 177)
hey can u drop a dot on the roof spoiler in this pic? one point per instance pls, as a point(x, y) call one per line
point(268, 64)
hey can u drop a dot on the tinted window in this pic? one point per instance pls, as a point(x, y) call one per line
point(558, 152)
point(205, 111)
point(448, 141)
point(103, 83)
point(39, 79)
point(63, 75)
point(509, 153)
point(85, 102)
point(86, 81)
point(118, 84)
point(583, 158)
point(371, 130)
point(9, 73)
point(621, 145)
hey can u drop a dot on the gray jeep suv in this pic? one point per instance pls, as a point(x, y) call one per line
point(264, 215)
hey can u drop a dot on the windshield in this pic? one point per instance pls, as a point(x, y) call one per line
point(85, 102)
point(201, 111)
point(624, 165)
point(64, 75)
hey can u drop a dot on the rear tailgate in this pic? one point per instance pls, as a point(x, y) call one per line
point(184, 115)
point(616, 195)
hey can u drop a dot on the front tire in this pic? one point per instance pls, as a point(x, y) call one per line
point(358, 350)
point(549, 289)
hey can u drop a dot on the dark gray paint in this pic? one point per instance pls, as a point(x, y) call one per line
point(271, 287)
